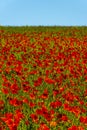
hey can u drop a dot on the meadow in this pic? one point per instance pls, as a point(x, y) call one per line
point(43, 78)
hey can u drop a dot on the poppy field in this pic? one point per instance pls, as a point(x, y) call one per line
point(43, 78)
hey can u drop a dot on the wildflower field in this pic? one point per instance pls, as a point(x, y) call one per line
point(43, 78)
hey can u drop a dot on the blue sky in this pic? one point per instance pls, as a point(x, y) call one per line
point(43, 12)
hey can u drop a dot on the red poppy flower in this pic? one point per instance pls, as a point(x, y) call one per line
point(32, 96)
point(45, 94)
point(15, 102)
point(73, 128)
point(49, 81)
point(56, 104)
point(43, 126)
point(33, 72)
point(14, 88)
point(1, 104)
point(25, 100)
point(83, 120)
point(18, 114)
point(38, 82)
point(34, 117)
point(64, 118)
point(5, 90)
point(67, 107)
point(31, 104)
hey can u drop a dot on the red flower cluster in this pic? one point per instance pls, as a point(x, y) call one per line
point(11, 120)
point(56, 104)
